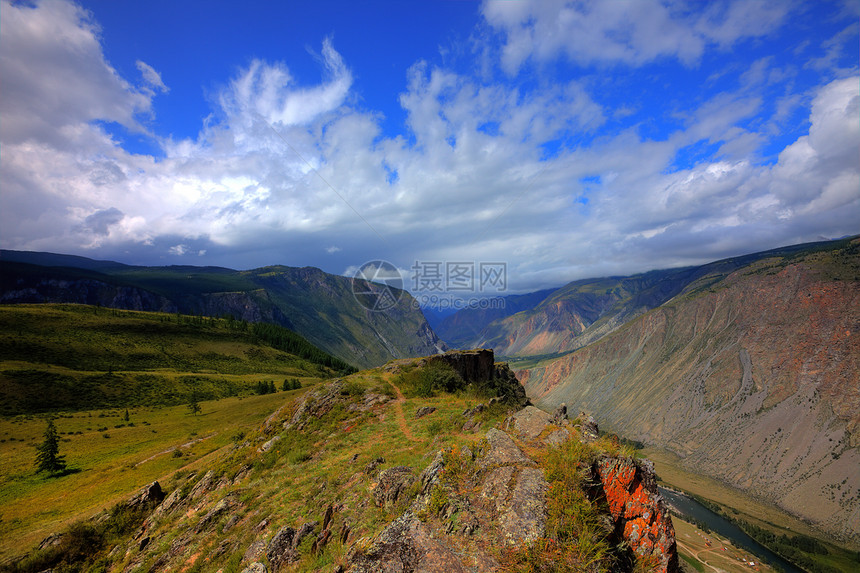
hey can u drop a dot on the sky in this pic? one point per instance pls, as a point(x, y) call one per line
point(556, 140)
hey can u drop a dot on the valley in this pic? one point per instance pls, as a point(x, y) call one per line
point(739, 378)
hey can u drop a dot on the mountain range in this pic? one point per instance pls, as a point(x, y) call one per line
point(747, 368)
point(317, 305)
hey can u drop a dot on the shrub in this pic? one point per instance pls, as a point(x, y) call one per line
point(429, 380)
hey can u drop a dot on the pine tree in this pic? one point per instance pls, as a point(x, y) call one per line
point(48, 458)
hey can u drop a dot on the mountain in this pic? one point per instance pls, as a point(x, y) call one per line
point(751, 375)
point(461, 328)
point(585, 310)
point(319, 306)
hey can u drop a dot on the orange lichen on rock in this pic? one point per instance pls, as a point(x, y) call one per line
point(639, 515)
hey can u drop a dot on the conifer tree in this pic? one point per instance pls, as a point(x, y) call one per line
point(48, 458)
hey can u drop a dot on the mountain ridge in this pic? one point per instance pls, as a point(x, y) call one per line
point(752, 378)
point(584, 310)
point(319, 306)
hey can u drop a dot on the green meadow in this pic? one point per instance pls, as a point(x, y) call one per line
point(86, 366)
point(108, 458)
point(75, 357)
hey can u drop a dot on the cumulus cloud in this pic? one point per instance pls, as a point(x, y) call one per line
point(625, 31)
point(55, 76)
point(484, 170)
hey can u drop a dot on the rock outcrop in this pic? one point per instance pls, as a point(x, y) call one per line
point(487, 503)
point(639, 514)
point(392, 485)
point(498, 498)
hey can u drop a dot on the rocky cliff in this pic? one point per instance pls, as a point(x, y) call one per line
point(751, 379)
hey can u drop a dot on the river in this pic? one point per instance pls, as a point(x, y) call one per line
point(718, 524)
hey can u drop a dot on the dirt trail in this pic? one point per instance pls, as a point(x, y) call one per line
point(696, 553)
point(401, 417)
point(170, 450)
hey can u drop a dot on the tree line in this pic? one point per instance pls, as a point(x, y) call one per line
point(289, 341)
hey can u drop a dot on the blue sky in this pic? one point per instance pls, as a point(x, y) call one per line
point(565, 139)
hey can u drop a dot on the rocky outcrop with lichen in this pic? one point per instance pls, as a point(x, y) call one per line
point(478, 510)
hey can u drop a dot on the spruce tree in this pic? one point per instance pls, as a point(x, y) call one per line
point(48, 458)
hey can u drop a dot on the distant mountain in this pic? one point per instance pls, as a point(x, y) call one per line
point(583, 311)
point(750, 375)
point(462, 329)
point(319, 306)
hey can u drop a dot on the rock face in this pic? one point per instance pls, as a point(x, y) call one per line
point(472, 365)
point(407, 545)
point(86, 291)
point(147, 498)
point(638, 512)
point(521, 509)
point(392, 485)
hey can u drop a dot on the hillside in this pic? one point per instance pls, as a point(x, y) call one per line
point(464, 327)
point(583, 311)
point(751, 377)
point(319, 306)
point(408, 467)
point(73, 357)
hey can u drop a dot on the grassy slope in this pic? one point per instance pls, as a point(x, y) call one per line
point(319, 305)
point(73, 357)
point(310, 467)
point(108, 465)
point(61, 356)
point(291, 484)
point(325, 307)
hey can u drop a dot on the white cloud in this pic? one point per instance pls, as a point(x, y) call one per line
point(55, 77)
point(151, 77)
point(485, 170)
point(265, 91)
point(624, 31)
